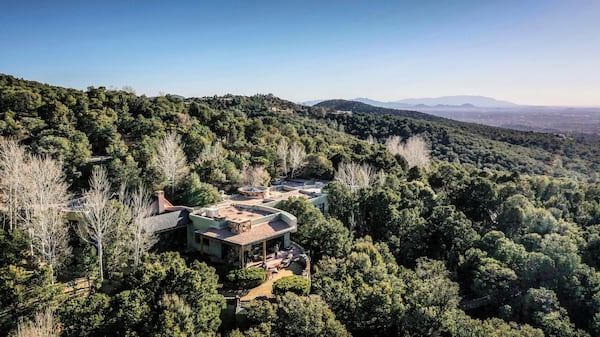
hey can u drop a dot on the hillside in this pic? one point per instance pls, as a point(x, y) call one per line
point(340, 104)
point(440, 247)
point(479, 145)
point(74, 126)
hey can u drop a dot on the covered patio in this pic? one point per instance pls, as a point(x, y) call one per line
point(255, 245)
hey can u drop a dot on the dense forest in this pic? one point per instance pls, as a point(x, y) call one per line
point(479, 145)
point(497, 234)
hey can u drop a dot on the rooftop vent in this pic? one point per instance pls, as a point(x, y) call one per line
point(212, 212)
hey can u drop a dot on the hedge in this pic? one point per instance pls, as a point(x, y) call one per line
point(246, 278)
point(296, 284)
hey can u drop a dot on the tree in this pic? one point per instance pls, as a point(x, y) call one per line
point(99, 214)
point(494, 280)
point(50, 238)
point(292, 315)
point(24, 292)
point(296, 158)
point(170, 159)
point(318, 166)
point(448, 234)
point(44, 187)
point(194, 192)
point(343, 204)
point(363, 288)
point(459, 324)
point(544, 310)
point(256, 176)
point(415, 150)
point(283, 153)
point(355, 176)
point(85, 316)
point(131, 313)
point(196, 284)
point(43, 325)
point(328, 238)
point(321, 236)
point(478, 199)
point(431, 297)
point(36, 191)
point(12, 245)
point(307, 215)
point(176, 318)
point(307, 317)
point(12, 165)
point(141, 238)
point(213, 152)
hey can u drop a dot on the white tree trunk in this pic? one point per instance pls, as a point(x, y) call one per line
point(100, 261)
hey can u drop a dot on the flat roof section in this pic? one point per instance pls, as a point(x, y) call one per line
point(258, 233)
point(240, 214)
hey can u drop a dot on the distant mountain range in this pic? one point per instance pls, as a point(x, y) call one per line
point(441, 102)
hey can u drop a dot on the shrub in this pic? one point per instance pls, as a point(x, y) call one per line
point(296, 284)
point(246, 278)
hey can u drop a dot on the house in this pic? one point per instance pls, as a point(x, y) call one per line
point(243, 229)
point(249, 226)
point(240, 233)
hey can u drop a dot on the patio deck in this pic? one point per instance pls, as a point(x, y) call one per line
point(274, 261)
point(266, 289)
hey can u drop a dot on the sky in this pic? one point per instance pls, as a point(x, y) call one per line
point(542, 52)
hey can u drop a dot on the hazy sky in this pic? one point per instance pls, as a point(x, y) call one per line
point(529, 52)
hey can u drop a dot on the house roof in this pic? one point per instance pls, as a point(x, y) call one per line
point(238, 214)
point(166, 221)
point(154, 207)
point(257, 233)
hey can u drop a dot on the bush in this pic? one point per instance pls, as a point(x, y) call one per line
point(296, 284)
point(247, 278)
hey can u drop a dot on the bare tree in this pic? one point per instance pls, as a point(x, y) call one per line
point(129, 89)
point(44, 186)
point(415, 150)
point(12, 164)
point(394, 145)
point(170, 159)
point(50, 238)
point(140, 237)
point(282, 153)
point(37, 191)
point(256, 176)
point(42, 325)
point(296, 158)
point(356, 176)
point(99, 214)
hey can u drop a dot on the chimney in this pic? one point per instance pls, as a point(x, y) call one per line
point(160, 201)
